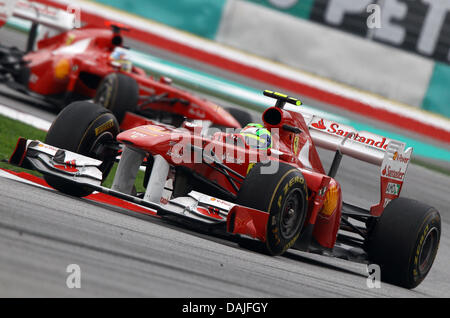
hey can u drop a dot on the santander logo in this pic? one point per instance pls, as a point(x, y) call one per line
point(319, 125)
point(341, 130)
point(394, 174)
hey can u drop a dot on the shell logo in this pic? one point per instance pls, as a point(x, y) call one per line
point(62, 69)
point(395, 155)
point(331, 201)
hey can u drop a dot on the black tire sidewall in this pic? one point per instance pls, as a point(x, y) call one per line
point(431, 221)
point(397, 238)
point(268, 193)
point(76, 129)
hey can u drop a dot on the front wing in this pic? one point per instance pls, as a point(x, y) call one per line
point(195, 208)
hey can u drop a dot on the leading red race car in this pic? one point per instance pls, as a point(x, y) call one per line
point(265, 184)
point(62, 64)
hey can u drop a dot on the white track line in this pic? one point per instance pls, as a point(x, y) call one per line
point(28, 119)
point(7, 175)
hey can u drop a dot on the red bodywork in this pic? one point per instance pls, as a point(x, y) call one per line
point(294, 148)
point(76, 61)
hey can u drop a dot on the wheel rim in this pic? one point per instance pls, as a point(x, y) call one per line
point(291, 214)
point(108, 161)
point(101, 95)
point(427, 251)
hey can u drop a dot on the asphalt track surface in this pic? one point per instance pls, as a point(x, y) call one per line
point(122, 254)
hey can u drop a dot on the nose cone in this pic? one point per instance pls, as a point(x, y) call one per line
point(150, 137)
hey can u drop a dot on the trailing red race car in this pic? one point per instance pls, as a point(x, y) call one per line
point(62, 64)
point(264, 184)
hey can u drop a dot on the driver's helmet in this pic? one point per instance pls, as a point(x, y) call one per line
point(256, 136)
point(119, 58)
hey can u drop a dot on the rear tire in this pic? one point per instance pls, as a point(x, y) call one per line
point(78, 128)
point(284, 196)
point(119, 93)
point(404, 242)
point(243, 117)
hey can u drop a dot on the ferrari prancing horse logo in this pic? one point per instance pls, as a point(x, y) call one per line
point(295, 145)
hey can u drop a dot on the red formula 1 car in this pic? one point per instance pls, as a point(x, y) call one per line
point(264, 184)
point(62, 64)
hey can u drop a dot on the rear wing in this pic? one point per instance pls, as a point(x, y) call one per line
point(38, 13)
point(391, 156)
point(46, 21)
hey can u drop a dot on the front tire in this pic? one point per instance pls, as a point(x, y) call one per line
point(79, 128)
point(283, 194)
point(404, 242)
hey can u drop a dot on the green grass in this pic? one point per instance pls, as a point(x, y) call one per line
point(139, 183)
point(11, 130)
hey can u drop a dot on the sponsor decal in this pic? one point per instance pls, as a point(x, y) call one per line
point(393, 189)
point(211, 212)
point(38, 9)
point(215, 200)
point(393, 174)
point(154, 128)
point(196, 111)
point(136, 134)
point(399, 157)
point(144, 131)
point(109, 124)
point(45, 146)
point(319, 125)
point(344, 131)
point(418, 26)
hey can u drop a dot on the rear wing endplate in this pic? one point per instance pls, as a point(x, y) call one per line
point(391, 156)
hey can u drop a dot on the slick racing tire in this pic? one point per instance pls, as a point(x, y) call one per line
point(282, 194)
point(80, 127)
point(243, 117)
point(404, 242)
point(119, 93)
